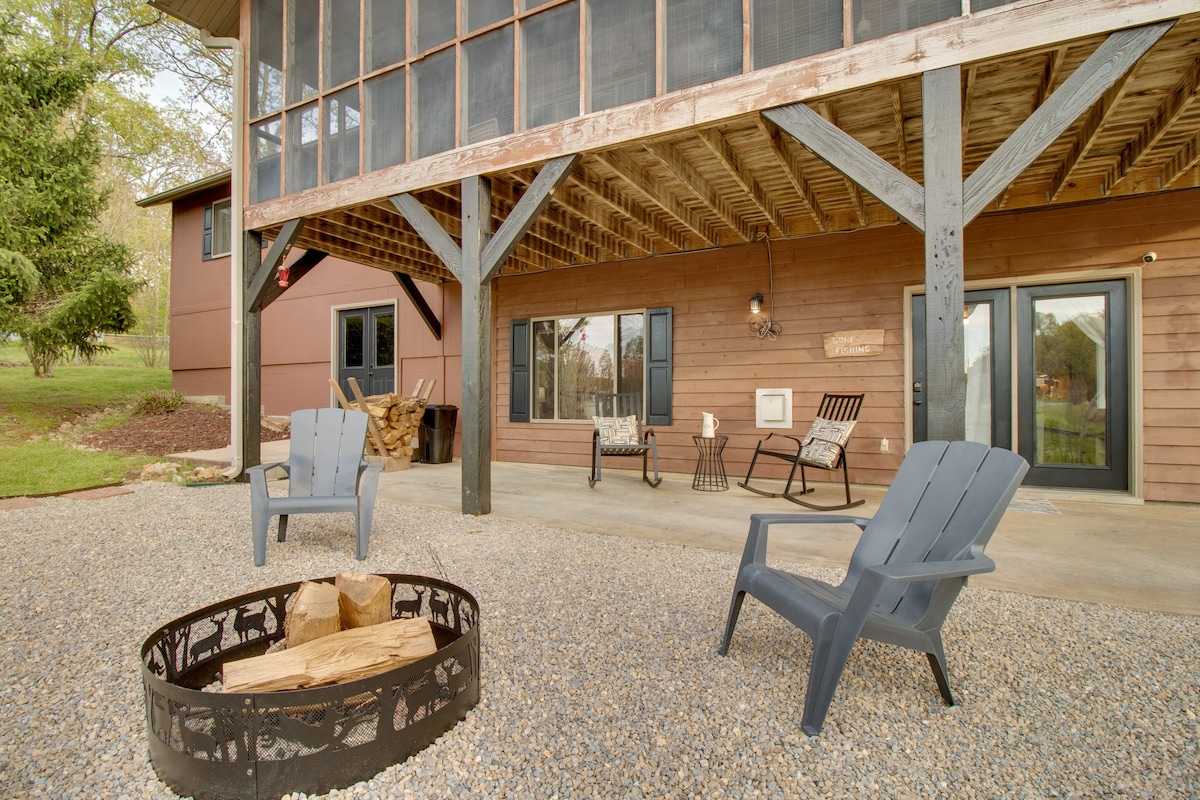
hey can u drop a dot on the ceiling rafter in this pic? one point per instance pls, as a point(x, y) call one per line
point(826, 110)
point(587, 182)
point(609, 227)
point(633, 242)
point(790, 165)
point(505, 195)
point(728, 158)
point(1051, 76)
point(636, 177)
point(1055, 60)
point(670, 158)
point(970, 76)
point(1099, 115)
point(898, 121)
point(1051, 73)
point(1177, 102)
point(1184, 159)
point(343, 242)
point(381, 226)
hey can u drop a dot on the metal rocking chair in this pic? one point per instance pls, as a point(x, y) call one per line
point(619, 432)
point(824, 448)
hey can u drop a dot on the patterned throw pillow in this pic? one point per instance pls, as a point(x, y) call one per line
point(618, 431)
point(825, 441)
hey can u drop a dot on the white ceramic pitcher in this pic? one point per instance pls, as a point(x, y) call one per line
point(709, 425)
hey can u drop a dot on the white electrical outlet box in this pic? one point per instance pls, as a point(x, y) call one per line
point(883, 445)
point(773, 408)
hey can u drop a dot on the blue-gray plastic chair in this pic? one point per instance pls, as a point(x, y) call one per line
point(910, 564)
point(326, 474)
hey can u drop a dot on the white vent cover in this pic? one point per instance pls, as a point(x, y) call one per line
point(773, 408)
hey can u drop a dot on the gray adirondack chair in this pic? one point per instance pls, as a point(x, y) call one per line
point(326, 474)
point(910, 564)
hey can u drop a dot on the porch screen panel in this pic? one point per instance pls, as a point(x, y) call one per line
point(481, 13)
point(875, 18)
point(385, 115)
point(434, 104)
point(620, 52)
point(303, 46)
point(703, 41)
point(984, 5)
point(434, 23)
point(550, 66)
point(266, 57)
point(266, 145)
point(787, 30)
point(528, 4)
point(342, 47)
point(341, 128)
point(384, 31)
point(488, 86)
point(303, 125)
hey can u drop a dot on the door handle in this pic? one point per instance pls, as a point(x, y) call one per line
point(916, 391)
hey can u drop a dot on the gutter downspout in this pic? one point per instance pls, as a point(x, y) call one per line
point(237, 311)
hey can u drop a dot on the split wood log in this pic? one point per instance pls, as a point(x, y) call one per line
point(363, 599)
point(337, 658)
point(312, 613)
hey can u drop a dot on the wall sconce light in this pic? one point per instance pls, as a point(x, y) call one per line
point(756, 303)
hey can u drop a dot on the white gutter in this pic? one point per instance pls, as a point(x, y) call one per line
point(237, 377)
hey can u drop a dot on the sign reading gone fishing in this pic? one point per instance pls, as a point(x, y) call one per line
point(848, 344)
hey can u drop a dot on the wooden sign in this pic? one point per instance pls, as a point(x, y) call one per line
point(848, 344)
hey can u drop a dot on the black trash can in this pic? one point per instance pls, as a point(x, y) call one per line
point(437, 434)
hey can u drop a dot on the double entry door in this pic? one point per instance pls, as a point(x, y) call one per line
point(367, 349)
point(1059, 355)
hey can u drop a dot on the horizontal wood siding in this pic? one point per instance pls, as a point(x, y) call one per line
point(853, 281)
point(719, 361)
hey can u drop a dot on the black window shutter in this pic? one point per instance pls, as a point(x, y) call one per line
point(518, 384)
point(658, 366)
point(207, 242)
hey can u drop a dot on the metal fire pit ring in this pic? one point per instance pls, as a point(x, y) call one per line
point(218, 746)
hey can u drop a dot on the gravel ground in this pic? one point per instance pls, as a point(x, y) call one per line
point(600, 674)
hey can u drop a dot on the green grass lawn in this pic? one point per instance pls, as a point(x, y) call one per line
point(31, 407)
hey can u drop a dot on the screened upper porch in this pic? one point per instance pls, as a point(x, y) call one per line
point(339, 88)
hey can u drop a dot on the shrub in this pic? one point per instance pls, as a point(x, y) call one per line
point(157, 402)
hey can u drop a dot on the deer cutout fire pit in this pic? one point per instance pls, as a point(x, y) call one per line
point(229, 746)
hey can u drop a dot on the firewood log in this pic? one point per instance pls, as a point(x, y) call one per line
point(312, 613)
point(363, 599)
point(338, 658)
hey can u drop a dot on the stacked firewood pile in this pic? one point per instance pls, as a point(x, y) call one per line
point(395, 422)
point(398, 419)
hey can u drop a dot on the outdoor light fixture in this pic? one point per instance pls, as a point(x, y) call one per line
point(756, 303)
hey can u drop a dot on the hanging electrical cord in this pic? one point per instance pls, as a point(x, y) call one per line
point(764, 327)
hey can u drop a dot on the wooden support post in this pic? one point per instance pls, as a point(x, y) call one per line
point(947, 389)
point(476, 417)
point(251, 442)
point(475, 264)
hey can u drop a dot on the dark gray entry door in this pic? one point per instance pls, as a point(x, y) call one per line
point(367, 349)
point(1073, 379)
